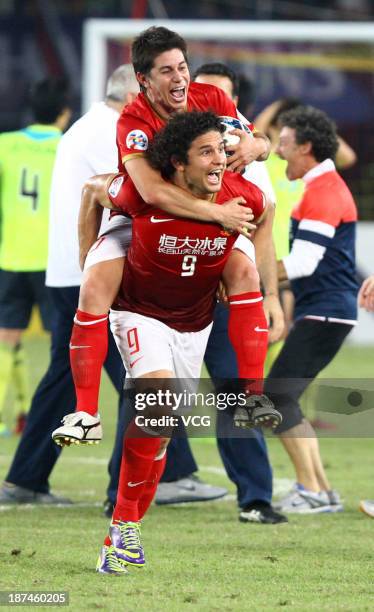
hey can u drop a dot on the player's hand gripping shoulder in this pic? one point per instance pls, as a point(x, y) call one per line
point(249, 149)
point(234, 216)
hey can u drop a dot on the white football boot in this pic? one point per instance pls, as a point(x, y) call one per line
point(78, 428)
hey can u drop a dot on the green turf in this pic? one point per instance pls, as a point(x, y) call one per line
point(198, 557)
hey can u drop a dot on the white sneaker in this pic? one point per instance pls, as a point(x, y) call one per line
point(185, 490)
point(367, 506)
point(78, 428)
point(336, 501)
point(287, 498)
point(302, 501)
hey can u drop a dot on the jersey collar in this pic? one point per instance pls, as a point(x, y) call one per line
point(326, 166)
point(42, 128)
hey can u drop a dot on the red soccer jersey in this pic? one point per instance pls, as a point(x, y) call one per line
point(174, 265)
point(139, 122)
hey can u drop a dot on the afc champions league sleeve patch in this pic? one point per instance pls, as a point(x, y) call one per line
point(115, 186)
point(138, 140)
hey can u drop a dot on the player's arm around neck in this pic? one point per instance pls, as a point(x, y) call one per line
point(176, 201)
point(94, 198)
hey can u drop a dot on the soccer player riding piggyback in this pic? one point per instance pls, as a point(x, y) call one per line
point(160, 63)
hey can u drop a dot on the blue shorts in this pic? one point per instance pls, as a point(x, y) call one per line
point(19, 292)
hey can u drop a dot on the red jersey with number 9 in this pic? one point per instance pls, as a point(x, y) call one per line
point(174, 265)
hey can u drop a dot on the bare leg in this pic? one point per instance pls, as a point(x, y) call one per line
point(297, 443)
point(319, 470)
point(100, 286)
point(240, 274)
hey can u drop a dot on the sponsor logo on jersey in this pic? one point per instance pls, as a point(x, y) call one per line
point(174, 245)
point(138, 140)
point(115, 186)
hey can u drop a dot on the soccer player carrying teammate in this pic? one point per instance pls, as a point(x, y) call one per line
point(160, 63)
point(163, 314)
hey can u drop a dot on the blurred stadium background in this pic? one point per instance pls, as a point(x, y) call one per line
point(287, 568)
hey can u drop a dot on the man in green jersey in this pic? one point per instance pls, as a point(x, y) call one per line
point(26, 163)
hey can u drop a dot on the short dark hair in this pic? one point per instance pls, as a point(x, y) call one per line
point(174, 140)
point(48, 98)
point(314, 126)
point(151, 43)
point(219, 69)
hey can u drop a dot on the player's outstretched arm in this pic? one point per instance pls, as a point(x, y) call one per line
point(266, 116)
point(267, 268)
point(157, 192)
point(94, 198)
point(345, 155)
point(366, 294)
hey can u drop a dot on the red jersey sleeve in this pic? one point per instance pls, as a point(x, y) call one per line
point(224, 106)
point(204, 97)
point(255, 198)
point(235, 185)
point(123, 195)
point(209, 97)
point(133, 136)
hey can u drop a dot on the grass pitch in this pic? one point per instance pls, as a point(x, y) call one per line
point(199, 557)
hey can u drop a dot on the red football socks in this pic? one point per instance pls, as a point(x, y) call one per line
point(88, 349)
point(136, 472)
point(149, 490)
point(151, 486)
point(248, 333)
